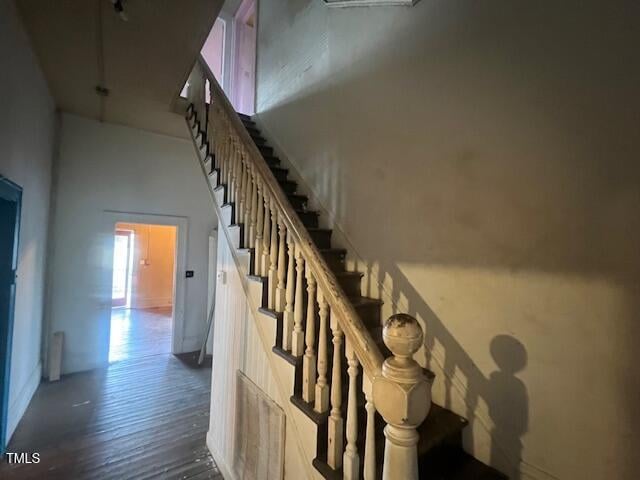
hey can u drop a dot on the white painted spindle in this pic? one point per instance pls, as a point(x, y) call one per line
point(297, 338)
point(351, 460)
point(280, 289)
point(257, 270)
point(287, 325)
point(336, 423)
point(369, 471)
point(322, 388)
point(273, 257)
point(309, 359)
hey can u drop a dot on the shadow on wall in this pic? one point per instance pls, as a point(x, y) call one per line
point(504, 393)
point(453, 147)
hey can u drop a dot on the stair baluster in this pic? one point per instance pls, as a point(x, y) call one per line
point(322, 388)
point(334, 448)
point(235, 174)
point(369, 471)
point(351, 460)
point(309, 359)
point(297, 340)
point(266, 235)
point(280, 289)
point(259, 225)
point(287, 323)
point(273, 257)
point(246, 199)
point(253, 201)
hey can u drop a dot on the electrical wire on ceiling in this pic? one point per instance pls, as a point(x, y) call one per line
point(118, 6)
point(101, 88)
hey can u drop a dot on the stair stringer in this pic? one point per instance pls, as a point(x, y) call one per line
point(304, 430)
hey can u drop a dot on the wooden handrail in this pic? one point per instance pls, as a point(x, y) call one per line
point(354, 330)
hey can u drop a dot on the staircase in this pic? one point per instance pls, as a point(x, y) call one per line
point(332, 336)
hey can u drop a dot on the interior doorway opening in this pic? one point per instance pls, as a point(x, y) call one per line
point(230, 54)
point(143, 290)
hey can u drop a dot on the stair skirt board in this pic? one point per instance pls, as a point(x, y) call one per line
point(440, 447)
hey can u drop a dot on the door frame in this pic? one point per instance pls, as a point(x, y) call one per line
point(245, 10)
point(180, 264)
point(11, 192)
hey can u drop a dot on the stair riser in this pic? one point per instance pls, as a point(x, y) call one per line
point(265, 150)
point(298, 203)
point(309, 220)
point(322, 239)
point(288, 187)
point(279, 173)
point(336, 261)
point(371, 316)
point(272, 161)
point(350, 284)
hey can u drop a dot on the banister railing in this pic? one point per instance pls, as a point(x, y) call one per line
point(364, 346)
point(284, 252)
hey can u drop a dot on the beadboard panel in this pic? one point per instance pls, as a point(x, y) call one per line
point(237, 347)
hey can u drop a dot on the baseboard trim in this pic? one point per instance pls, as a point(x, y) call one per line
point(224, 469)
point(20, 404)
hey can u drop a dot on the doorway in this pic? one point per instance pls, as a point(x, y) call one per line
point(243, 82)
point(230, 53)
point(143, 290)
point(10, 205)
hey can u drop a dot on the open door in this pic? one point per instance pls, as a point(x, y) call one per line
point(10, 203)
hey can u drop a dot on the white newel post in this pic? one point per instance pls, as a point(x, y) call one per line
point(402, 395)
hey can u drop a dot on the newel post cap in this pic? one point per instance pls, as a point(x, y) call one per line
point(402, 392)
point(402, 335)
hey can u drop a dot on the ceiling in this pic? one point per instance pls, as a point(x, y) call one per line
point(143, 62)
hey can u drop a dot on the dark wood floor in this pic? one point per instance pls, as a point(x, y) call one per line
point(143, 418)
point(138, 333)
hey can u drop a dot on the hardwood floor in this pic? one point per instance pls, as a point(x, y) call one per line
point(138, 333)
point(143, 418)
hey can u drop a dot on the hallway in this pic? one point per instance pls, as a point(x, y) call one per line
point(143, 418)
point(137, 333)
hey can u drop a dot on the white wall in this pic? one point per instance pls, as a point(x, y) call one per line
point(27, 125)
point(481, 158)
point(106, 167)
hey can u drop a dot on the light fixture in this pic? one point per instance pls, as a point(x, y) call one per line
point(119, 8)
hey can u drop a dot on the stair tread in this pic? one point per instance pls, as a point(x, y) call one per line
point(333, 250)
point(439, 425)
point(258, 278)
point(364, 301)
point(347, 273)
point(307, 212)
point(459, 465)
point(308, 410)
point(271, 313)
point(293, 360)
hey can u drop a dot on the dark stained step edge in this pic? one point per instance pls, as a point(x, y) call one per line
point(307, 409)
